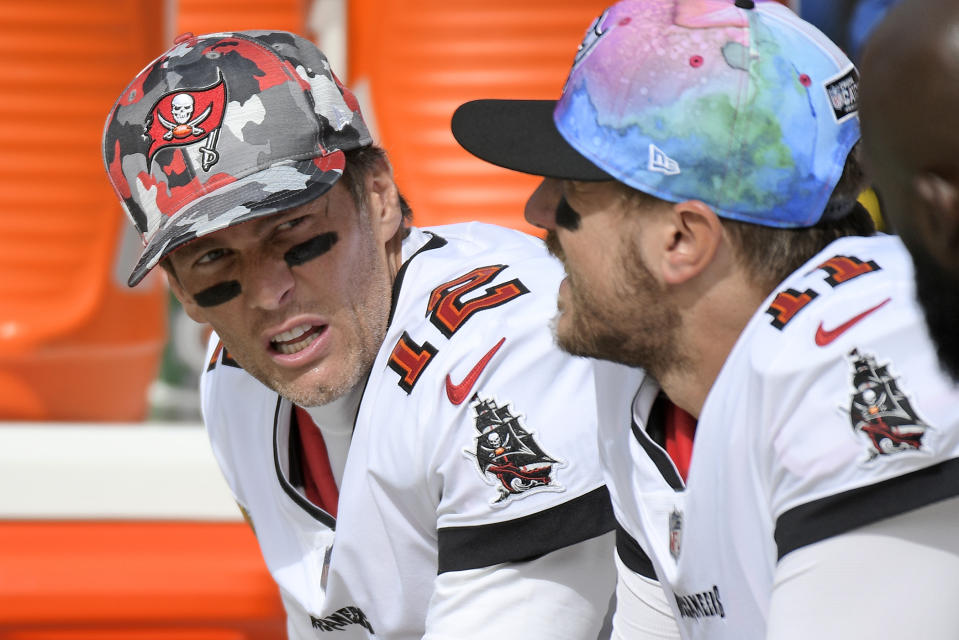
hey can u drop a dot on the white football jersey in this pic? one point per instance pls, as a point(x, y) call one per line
point(830, 413)
point(474, 443)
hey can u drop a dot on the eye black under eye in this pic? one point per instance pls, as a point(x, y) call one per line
point(312, 248)
point(218, 293)
point(566, 216)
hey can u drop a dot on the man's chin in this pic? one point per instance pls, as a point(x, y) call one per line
point(310, 388)
point(306, 394)
point(579, 341)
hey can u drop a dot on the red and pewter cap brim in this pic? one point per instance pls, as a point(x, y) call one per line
point(521, 135)
point(274, 189)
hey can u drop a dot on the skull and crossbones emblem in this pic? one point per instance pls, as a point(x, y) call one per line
point(181, 108)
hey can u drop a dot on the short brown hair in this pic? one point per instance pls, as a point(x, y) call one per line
point(359, 163)
point(771, 254)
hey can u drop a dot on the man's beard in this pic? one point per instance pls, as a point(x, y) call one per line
point(938, 292)
point(639, 327)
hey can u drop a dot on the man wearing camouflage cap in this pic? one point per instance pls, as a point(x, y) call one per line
point(472, 478)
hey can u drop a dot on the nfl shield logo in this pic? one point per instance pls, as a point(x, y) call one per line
point(675, 533)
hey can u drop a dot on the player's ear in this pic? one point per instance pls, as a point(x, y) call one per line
point(938, 220)
point(383, 199)
point(692, 235)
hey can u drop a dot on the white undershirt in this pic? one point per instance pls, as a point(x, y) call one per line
point(642, 610)
point(335, 421)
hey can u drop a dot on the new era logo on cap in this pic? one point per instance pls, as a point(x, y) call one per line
point(660, 162)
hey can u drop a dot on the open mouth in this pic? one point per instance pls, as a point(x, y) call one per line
point(296, 339)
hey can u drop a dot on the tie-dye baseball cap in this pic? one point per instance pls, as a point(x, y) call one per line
point(224, 128)
point(739, 104)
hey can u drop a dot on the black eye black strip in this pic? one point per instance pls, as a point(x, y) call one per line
point(217, 294)
point(312, 248)
point(566, 216)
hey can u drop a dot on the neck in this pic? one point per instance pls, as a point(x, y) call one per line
point(394, 252)
point(713, 318)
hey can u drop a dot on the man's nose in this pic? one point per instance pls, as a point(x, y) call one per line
point(271, 283)
point(541, 207)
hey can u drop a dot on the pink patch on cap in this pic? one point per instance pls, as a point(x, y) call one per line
point(696, 61)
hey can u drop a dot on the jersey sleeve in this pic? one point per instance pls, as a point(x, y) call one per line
point(571, 597)
point(519, 471)
point(895, 579)
point(859, 423)
point(499, 422)
point(212, 408)
point(221, 383)
point(642, 610)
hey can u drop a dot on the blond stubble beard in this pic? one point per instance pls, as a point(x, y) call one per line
point(638, 328)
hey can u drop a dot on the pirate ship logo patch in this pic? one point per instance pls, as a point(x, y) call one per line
point(881, 411)
point(185, 117)
point(508, 456)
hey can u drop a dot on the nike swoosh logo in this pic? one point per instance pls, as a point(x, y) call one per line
point(824, 336)
point(457, 393)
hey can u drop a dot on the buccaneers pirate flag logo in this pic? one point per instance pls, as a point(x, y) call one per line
point(880, 410)
point(185, 117)
point(508, 456)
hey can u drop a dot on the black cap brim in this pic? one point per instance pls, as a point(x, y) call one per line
point(521, 135)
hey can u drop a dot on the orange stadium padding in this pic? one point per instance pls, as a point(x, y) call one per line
point(135, 581)
point(75, 342)
point(207, 16)
point(413, 63)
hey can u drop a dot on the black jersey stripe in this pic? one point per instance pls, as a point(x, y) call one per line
point(633, 555)
point(526, 538)
point(655, 452)
point(834, 515)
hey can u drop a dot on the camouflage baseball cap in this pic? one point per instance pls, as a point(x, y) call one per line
point(224, 128)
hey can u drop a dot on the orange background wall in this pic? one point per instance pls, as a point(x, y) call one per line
point(73, 338)
point(421, 60)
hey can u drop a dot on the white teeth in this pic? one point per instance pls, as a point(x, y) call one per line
point(287, 349)
point(283, 342)
point(293, 333)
